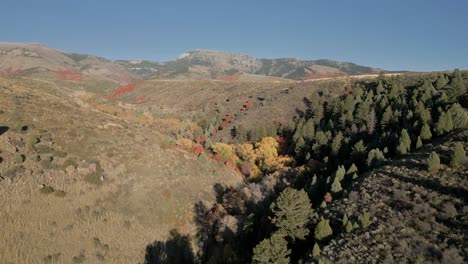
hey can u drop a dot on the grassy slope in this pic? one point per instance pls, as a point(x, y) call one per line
point(149, 186)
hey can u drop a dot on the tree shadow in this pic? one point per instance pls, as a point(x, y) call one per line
point(177, 249)
point(3, 129)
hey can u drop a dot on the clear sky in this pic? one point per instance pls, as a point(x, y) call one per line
point(393, 34)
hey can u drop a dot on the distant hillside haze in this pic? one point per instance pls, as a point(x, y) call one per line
point(32, 59)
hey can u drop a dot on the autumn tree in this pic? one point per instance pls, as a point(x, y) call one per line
point(292, 212)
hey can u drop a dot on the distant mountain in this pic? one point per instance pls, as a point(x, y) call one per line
point(31, 59)
point(216, 64)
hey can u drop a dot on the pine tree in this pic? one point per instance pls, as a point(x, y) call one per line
point(336, 186)
point(273, 250)
point(375, 157)
point(419, 143)
point(355, 176)
point(292, 212)
point(404, 142)
point(344, 221)
point(458, 116)
point(365, 219)
point(433, 162)
point(316, 250)
point(458, 155)
point(349, 227)
point(340, 173)
point(457, 87)
point(425, 132)
point(336, 144)
point(323, 229)
point(352, 169)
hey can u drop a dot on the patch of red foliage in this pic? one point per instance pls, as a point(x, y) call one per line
point(328, 197)
point(223, 126)
point(214, 132)
point(248, 104)
point(68, 75)
point(283, 144)
point(227, 118)
point(348, 90)
point(125, 89)
point(233, 77)
point(198, 149)
point(10, 71)
point(218, 159)
point(201, 139)
point(230, 164)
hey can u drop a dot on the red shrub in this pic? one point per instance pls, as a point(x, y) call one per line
point(248, 104)
point(227, 118)
point(327, 198)
point(214, 132)
point(218, 159)
point(229, 164)
point(201, 139)
point(198, 149)
point(10, 71)
point(125, 89)
point(223, 126)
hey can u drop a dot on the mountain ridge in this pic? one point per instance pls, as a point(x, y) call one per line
point(36, 58)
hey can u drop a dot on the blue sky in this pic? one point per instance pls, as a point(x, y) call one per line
point(394, 35)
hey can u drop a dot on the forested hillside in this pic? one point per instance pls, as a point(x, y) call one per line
point(329, 166)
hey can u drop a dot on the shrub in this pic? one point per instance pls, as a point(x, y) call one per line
point(433, 162)
point(46, 190)
point(93, 178)
point(349, 227)
point(316, 250)
point(59, 153)
point(43, 149)
point(69, 162)
point(18, 158)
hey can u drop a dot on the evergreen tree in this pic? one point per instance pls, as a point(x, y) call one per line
point(340, 173)
point(458, 155)
point(425, 132)
point(336, 144)
point(365, 219)
point(404, 142)
point(344, 221)
point(387, 117)
point(336, 186)
point(323, 229)
point(419, 143)
point(308, 130)
point(375, 157)
point(458, 116)
point(352, 169)
point(433, 162)
point(272, 250)
point(316, 250)
point(349, 227)
point(292, 212)
point(457, 87)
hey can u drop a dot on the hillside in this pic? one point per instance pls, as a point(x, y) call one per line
point(416, 214)
point(40, 61)
point(99, 187)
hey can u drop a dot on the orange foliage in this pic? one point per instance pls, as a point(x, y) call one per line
point(223, 126)
point(218, 159)
point(214, 132)
point(198, 149)
point(201, 139)
point(328, 197)
point(227, 118)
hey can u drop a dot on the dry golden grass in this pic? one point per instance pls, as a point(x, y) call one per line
point(114, 221)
